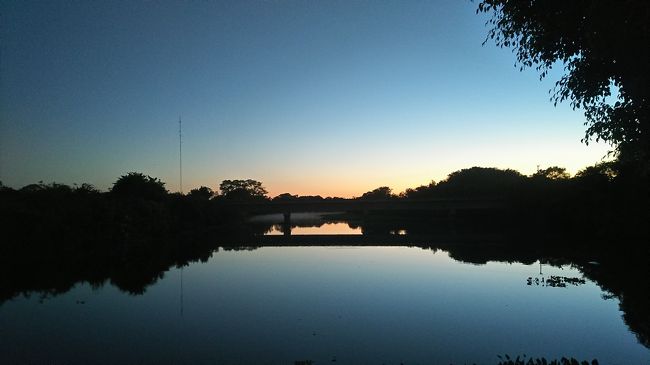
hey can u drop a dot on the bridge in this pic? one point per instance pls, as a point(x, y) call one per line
point(448, 206)
point(453, 238)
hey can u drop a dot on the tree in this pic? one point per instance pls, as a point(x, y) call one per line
point(480, 181)
point(285, 197)
point(5, 188)
point(383, 192)
point(138, 185)
point(552, 173)
point(421, 192)
point(202, 193)
point(242, 190)
point(86, 188)
point(33, 188)
point(605, 171)
point(603, 46)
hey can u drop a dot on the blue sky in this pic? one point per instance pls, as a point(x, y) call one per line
point(309, 97)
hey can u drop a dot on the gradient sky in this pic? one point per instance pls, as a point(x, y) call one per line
point(309, 97)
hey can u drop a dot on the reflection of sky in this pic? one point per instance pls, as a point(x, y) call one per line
point(357, 304)
point(330, 98)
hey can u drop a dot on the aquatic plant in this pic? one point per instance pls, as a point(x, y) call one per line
point(555, 281)
point(506, 360)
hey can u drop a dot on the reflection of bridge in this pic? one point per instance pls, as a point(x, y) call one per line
point(449, 206)
point(368, 240)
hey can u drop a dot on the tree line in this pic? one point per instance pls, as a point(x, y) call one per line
point(599, 197)
point(470, 182)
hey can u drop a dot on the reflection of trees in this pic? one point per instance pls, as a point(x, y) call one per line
point(138, 265)
point(626, 277)
point(622, 272)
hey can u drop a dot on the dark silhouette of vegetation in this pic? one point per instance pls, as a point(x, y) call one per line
point(128, 234)
point(552, 173)
point(202, 193)
point(480, 181)
point(242, 190)
point(286, 197)
point(139, 186)
point(506, 360)
point(466, 183)
point(421, 192)
point(603, 47)
point(598, 201)
point(603, 172)
point(383, 192)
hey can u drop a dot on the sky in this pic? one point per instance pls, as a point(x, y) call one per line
point(331, 98)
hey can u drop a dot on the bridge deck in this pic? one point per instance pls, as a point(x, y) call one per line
point(367, 205)
point(364, 240)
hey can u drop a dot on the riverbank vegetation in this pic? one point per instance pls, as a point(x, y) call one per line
point(600, 201)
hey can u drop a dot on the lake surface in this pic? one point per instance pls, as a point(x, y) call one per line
point(304, 224)
point(335, 305)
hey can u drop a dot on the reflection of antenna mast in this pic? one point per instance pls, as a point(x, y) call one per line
point(180, 154)
point(180, 175)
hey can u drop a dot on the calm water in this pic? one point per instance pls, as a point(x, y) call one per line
point(305, 223)
point(351, 305)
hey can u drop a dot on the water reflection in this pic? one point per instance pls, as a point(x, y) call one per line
point(353, 304)
point(242, 303)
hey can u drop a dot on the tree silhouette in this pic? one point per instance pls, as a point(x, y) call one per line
point(86, 188)
point(3, 187)
point(604, 169)
point(481, 181)
point(242, 190)
point(552, 173)
point(421, 192)
point(202, 193)
point(138, 185)
point(383, 192)
point(285, 197)
point(603, 46)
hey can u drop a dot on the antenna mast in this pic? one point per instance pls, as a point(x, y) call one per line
point(180, 154)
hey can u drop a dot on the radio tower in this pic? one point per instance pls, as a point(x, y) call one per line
point(180, 154)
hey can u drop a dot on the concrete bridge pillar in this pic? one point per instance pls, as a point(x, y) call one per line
point(286, 224)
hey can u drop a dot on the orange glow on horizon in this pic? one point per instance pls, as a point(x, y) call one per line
point(348, 181)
